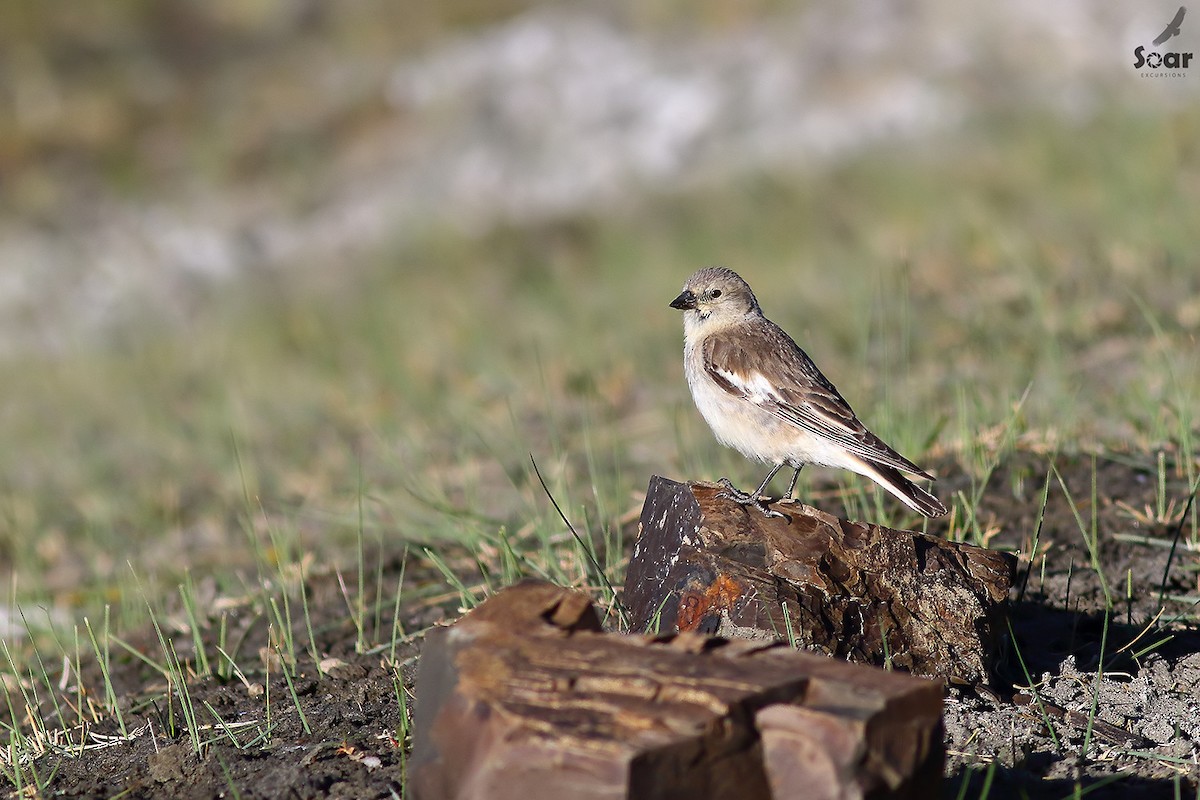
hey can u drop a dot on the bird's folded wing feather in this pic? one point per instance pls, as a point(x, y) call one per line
point(762, 365)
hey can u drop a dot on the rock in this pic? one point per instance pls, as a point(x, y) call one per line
point(853, 590)
point(526, 698)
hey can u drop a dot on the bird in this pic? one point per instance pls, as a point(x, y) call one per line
point(764, 397)
point(1173, 27)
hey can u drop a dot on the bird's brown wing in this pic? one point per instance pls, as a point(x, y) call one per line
point(760, 363)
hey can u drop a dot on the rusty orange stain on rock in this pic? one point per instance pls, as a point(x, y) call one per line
point(694, 606)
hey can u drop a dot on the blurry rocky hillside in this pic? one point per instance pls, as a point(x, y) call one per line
point(151, 152)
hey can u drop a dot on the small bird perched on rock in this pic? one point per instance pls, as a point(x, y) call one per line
point(763, 396)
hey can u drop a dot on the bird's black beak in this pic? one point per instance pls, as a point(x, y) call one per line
point(685, 301)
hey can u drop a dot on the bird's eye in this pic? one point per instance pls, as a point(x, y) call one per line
point(716, 293)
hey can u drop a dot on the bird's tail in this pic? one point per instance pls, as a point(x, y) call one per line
point(909, 493)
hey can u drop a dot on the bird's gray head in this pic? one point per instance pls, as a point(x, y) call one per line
point(717, 293)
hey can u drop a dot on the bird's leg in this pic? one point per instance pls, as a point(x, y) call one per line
point(792, 485)
point(751, 498)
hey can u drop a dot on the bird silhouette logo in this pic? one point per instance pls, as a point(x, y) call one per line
point(1163, 64)
point(1172, 28)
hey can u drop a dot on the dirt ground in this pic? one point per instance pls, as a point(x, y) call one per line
point(1149, 689)
point(1144, 743)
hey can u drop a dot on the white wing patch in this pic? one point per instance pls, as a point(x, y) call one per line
point(755, 387)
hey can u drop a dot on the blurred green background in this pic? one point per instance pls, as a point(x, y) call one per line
point(297, 273)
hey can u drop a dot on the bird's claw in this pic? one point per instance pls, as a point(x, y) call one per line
point(731, 492)
point(770, 512)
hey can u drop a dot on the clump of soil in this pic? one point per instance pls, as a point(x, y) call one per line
point(1107, 703)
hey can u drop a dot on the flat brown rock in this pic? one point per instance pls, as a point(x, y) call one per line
point(853, 590)
point(525, 698)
